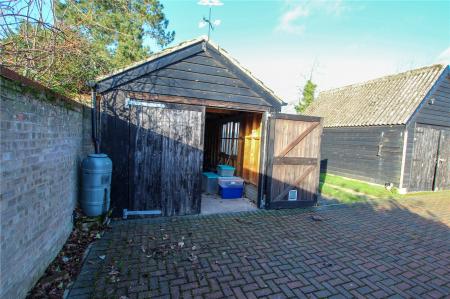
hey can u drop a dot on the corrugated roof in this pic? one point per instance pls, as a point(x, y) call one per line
point(186, 44)
point(389, 100)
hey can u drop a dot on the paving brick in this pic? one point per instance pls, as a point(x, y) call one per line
point(338, 258)
point(322, 294)
point(263, 292)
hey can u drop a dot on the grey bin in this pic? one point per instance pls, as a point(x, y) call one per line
point(96, 184)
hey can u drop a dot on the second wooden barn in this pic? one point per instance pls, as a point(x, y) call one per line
point(391, 130)
point(187, 109)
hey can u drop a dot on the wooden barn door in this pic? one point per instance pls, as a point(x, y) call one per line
point(442, 180)
point(166, 157)
point(426, 144)
point(293, 165)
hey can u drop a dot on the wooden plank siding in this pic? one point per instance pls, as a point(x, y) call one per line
point(196, 101)
point(198, 76)
point(370, 153)
point(134, 72)
point(436, 114)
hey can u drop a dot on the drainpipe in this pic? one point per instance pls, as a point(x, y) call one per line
point(93, 85)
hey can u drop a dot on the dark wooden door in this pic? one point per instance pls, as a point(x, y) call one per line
point(292, 177)
point(442, 180)
point(166, 157)
point(426, 144)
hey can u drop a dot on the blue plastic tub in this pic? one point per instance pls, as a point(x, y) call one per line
point(225, 170)
point(227, 191)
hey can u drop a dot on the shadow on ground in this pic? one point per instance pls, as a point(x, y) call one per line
point(367, 250)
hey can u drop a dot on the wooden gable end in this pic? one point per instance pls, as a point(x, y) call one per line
point(198, 71)
point(198, 76)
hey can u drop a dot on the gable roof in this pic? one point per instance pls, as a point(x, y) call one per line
point(389, 100)
point(181, 51)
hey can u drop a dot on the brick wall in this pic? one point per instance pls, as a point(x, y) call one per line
point(43, 140)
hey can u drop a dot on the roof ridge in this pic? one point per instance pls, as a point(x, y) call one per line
point(387, 77)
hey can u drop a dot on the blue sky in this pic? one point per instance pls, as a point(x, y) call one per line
point(343, 41)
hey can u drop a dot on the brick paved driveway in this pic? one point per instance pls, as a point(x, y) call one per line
point(397, 249)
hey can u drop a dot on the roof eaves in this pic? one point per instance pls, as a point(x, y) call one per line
point(152, 57)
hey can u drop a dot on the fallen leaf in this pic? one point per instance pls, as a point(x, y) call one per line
point(49, 280)
point(102, 257)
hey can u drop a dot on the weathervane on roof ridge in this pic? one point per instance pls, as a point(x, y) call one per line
point(207, 21)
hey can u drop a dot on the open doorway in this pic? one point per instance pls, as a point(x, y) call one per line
point(231, 138)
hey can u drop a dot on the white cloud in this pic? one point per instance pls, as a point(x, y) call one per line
point(210, 2)
point(444, 56)
point(290, 17)
point(335, 7)
point(294, 14)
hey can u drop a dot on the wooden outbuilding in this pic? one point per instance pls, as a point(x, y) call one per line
point(392, 130)
point(165, 120)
